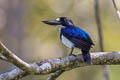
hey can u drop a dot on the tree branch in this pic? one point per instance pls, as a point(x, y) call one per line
point(55, 75)
point(11, 57)
point(13, 75)
point(66, 63)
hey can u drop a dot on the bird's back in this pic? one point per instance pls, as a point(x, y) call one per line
point(79, 37)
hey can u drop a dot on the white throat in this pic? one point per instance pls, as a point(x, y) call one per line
point(59, 27)
point(64, 40)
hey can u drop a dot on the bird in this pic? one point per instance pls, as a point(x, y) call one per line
point(73, 37)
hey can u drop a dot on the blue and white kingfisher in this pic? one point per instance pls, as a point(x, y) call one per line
point(73, 37)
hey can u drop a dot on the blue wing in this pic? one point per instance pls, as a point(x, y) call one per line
point(80, 38)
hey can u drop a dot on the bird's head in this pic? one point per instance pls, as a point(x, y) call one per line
point(59, 22)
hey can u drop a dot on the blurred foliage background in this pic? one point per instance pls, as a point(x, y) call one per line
point(22, 31)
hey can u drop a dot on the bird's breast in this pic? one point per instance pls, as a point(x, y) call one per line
point(66, 42)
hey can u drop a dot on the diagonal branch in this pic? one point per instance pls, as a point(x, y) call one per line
point(117, 10)
point(11, 57)
point(66, 63)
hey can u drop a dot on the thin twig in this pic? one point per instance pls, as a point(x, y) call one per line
point(117, 10)
point(98, 23)
point(99, 28)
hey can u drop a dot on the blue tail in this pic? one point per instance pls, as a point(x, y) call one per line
point(86, 56)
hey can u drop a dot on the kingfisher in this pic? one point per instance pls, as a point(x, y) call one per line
point(73, 37)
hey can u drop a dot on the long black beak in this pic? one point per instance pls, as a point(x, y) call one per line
point(54, 22)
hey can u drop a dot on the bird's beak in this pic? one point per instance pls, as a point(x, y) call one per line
point(54, 22)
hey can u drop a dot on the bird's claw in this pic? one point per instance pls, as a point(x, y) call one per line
point(72, 55)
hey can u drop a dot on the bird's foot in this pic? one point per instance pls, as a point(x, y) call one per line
point(72, 55)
